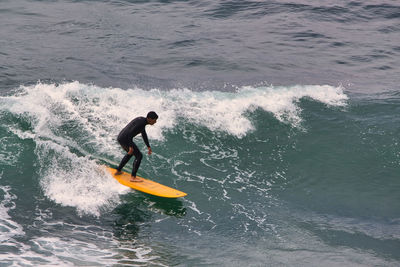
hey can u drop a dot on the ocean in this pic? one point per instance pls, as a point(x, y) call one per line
point(279, 119)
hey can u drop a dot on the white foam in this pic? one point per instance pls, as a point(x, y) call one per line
point(283, 101)
point(101, 112)
point(69, 251)
point(76, 181)
point(228, 111)
point(8, 228)
point(72, 252)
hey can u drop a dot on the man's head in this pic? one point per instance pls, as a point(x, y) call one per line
point(152, 117)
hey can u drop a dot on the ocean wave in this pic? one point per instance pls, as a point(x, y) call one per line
point(101, 112)
point(69, 122)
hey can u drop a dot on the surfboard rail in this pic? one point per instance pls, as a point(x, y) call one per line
point(146, 186)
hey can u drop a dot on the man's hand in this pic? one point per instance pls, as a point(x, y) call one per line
point(150, 151)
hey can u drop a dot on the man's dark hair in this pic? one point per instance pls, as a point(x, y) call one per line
point(152, 115)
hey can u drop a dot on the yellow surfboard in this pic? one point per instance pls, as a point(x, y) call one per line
point(146, 186)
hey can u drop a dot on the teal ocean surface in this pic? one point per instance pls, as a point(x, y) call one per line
point(280, 120)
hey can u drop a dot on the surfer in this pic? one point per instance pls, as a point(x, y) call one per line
point(125, 137)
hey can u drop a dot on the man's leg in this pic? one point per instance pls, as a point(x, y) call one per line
point(125, 159)
point(136, 163)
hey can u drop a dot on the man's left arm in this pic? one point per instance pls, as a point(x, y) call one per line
point(146, 141)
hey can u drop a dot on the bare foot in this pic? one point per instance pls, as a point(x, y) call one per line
point(135, 179)
point(118, 173)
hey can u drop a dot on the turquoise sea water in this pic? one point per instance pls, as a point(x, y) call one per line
point(280, 120)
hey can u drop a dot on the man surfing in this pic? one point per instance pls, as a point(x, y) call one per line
point(125, 137)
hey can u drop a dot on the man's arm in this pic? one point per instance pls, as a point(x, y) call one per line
point(146, 141)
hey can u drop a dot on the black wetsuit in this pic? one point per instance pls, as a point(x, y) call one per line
point(125, 137)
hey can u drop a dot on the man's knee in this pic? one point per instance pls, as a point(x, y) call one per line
point(138, 155)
